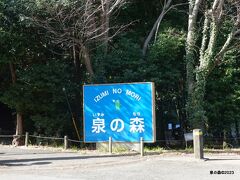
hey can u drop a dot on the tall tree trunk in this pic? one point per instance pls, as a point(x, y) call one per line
point(206, 60)
point(19, 120)
point(87, 60)
point(198, 115)
point(194, 6)
point(19, 125)
point(17, 139)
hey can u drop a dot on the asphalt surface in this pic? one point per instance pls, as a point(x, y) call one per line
point(20, 163)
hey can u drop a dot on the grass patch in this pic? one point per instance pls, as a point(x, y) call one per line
point(120, 149)
point(154, 149)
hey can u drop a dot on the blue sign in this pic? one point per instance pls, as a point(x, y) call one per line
point(124, 112)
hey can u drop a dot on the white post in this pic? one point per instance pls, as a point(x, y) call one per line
point(110, 145)
point(65, 142)
point(142, 146)
point(26, 139)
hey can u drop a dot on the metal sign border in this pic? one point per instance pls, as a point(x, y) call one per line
point(153, 112)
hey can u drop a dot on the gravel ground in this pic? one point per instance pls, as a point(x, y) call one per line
point(53, 164)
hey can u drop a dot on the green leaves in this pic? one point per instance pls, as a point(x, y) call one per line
point(43, 67)
point(121, 64)
point(165, 63)
point(223, 87)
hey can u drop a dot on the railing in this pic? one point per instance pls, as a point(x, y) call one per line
point(170, 144)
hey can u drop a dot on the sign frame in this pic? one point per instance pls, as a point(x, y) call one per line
point(152, 111)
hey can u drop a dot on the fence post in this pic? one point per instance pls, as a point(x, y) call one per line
point(110, 145)
point(198, 143)
point(65, 142)
point(141, 146)
point(26, 139)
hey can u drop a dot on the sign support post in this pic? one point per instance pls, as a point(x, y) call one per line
point(110, 145)
point(65, 142)
point(142, 146)
point(26, 139)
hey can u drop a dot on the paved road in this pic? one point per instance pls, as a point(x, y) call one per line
point(40, 164)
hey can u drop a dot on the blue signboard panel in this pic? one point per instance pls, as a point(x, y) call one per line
point(125, 112)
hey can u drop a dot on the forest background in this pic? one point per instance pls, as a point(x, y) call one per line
point(190, 49)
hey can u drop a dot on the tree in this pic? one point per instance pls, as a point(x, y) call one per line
point(108, 8)
point(25, 57)
point(222, 99)
point(77, 25)
point(156, 25)
point(12, 51)
point(155, 29)
point(217, 14)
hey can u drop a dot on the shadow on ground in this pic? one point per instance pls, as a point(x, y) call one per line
point(17, 162)
point(221, 159)
point(26, 164)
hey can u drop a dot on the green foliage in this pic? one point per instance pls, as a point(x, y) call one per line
point(44, 68)
point(121, 64)
point(38, 93)
point(40, 74)
point(223, 102)
point(165, 65)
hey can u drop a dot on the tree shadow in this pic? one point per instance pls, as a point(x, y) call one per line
point(12, 162)
point(29, 154)
point(21, 164)
point(221, 159)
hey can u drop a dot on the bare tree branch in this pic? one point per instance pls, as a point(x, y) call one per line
point(77, 25)
point(155, 26)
